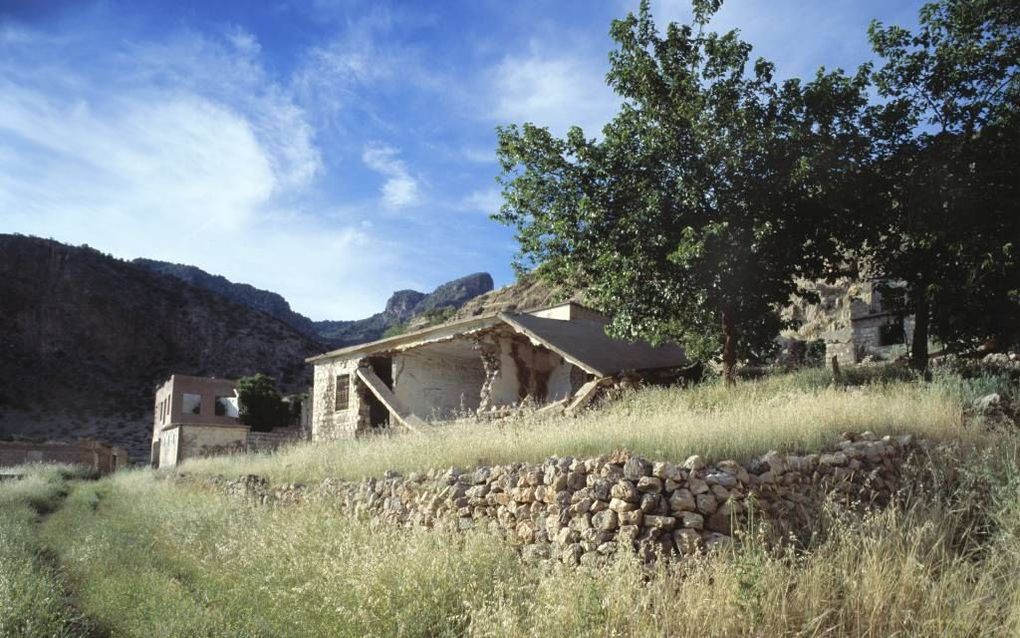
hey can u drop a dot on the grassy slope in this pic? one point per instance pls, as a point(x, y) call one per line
point(33, 601)
point(149, 557)
point(787, 412)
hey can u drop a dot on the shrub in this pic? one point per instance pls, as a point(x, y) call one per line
point(261, 407)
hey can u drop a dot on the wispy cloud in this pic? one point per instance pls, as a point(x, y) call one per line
point(486, 201)
point(400, 190)
point(196, 160)
point(553, 88)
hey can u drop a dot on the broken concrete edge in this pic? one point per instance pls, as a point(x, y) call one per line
point(584, 510)
point(396, 408)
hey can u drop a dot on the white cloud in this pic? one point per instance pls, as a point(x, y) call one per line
point(556, 89)
point(197, 161)
point(487, 201)
point(400, 189)
point(479, 155)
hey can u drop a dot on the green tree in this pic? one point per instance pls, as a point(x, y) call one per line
point(708, 196)
point(261, 407)
point(946, 170)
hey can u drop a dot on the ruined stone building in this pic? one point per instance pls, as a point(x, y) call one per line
point(101, 457)
point(478, 366)
point(856, 320)
point(198, 416)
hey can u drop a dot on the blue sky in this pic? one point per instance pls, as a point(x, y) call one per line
point(330, 150)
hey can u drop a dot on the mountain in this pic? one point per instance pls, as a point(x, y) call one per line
point(265, 301)
point(85, 338)
point(402, 306)
point(527, 293)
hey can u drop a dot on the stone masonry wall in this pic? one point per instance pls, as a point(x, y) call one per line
point(268, 441)
point(578, 510)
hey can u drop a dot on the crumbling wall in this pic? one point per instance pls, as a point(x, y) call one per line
point(527, 370)
point(436, 386)
point(98, 456)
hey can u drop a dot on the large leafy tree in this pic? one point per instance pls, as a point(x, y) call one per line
point(947, 170)
point(708, 196)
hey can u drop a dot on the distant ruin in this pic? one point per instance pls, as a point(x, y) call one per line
point(198, 416)
point(97, 456)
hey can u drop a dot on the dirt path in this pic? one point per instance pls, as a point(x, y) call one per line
point(80, 624)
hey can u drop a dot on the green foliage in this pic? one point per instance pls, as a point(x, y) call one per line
point(394, 331)
point(945, 172)
point(261, 407)
point(707, 195)
point(436, 316)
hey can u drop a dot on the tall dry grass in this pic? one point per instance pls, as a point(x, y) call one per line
point(151, 557)
point(33, 601)
point(155, 558)
point(790, 412)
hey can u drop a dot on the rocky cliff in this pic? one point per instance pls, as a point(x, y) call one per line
point(401, 307)
point(265, 301)
point(85, 338)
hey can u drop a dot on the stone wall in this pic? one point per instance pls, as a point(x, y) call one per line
point(579, 510)
point(328, 423)
point(268, 441)
point(92, 454)
point(190, 441)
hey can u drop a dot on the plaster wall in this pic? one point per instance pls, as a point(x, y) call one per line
point(569, 312)
point(529, 370)
point(168, 447)
point(190, 441)
point(434, 385)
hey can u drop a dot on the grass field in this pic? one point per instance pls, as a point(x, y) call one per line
point(142, 556)
point(787, 412)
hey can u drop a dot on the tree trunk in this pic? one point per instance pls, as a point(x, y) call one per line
point(919, 342)
point(729, 356)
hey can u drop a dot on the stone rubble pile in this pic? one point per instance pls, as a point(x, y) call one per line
point(578, 510)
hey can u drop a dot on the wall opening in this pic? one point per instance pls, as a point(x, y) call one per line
point(191, 403)
point(892, 333)
point(343, 392)
point(226, 406)
point(378, 415)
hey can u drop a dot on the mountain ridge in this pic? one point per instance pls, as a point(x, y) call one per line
point(402, 306)
point(86, 337)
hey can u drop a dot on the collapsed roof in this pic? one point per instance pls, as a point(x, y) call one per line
point(579, 338)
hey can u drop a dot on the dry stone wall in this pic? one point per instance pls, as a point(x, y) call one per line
point(579, 510)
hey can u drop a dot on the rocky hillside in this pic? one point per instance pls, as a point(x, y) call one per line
point(265, 301)
point(85, 338)
point(527, 293)
point(402, 306)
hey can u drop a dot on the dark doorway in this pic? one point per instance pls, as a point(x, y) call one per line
point(379, 416)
